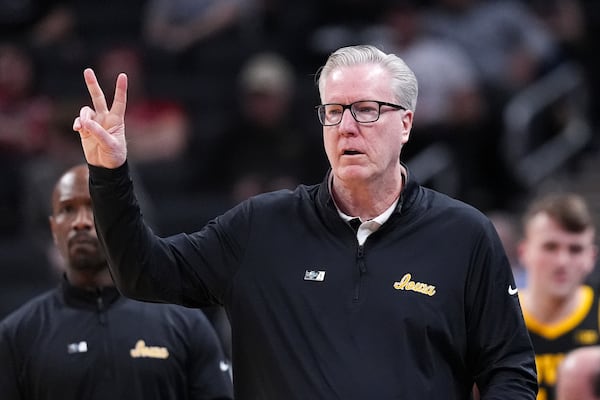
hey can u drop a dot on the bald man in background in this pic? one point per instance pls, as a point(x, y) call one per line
point(83, 340)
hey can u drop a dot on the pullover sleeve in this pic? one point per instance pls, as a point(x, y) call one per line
point(192, 270)
point(500, 349)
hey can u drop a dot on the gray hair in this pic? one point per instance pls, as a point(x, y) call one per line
point(404, 82)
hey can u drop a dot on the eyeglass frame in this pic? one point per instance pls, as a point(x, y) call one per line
point(349, 107)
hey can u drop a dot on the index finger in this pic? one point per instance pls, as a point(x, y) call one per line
point(96, 93)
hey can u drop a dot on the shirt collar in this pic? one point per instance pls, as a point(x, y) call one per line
point(381, 218)
point(88, 298)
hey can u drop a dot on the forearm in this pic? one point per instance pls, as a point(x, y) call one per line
point(138, 259)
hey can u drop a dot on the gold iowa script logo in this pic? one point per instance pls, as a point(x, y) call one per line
point(142, 351)
point(407, 284)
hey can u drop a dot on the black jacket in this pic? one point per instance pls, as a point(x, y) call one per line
point(419, 312)
point(73, 344)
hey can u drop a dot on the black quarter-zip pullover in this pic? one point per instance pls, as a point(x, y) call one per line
point(420, 311)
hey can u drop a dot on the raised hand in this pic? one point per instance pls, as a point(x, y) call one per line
point(102, 131)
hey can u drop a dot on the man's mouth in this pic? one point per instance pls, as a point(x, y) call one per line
point(351, 152)
point(560, 275)
point(82, 240)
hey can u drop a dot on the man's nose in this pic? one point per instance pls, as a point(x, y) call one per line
point(348, 123)
point(83, 219)
point(565, 255)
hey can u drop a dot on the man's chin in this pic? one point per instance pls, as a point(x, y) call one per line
point(86, 263)
point(353, 173)
point(562, 291)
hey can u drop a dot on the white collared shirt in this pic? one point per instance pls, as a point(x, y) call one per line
point(369, 226)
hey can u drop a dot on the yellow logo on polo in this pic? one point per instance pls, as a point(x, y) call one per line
point(407, 284)
point(586, 336)
point(142, 351)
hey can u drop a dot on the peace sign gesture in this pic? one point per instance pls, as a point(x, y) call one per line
point(102, 130)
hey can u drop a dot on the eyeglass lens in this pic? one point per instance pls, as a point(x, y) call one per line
point(362, 111)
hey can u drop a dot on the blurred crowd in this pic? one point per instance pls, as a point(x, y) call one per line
point(222, 95)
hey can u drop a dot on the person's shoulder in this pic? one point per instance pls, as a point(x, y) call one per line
point(284, 197)
point(450, 205)
point(170, 312)
point(185, 312)
point(189, 323)
point(446, 212)
point(30, 312)
point(300, 191)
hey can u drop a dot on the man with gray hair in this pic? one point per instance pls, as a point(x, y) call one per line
point(366, 286)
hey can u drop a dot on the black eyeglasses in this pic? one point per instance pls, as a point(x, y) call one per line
point(363, 111)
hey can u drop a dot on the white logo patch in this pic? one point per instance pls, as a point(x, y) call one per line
point(311, 275)
point(80, 347)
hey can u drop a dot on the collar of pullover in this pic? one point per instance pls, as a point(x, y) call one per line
point(88, 298)
point(407, 197)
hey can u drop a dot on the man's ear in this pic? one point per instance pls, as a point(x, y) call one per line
point(594, 258)
point(52, 227)
point(407, 120)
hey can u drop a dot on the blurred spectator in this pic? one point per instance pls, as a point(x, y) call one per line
point(263, 148)
point(510, 49)
point(48, 28)
point(576, 23)
point(591, 60)
point(194, 34)
point(451, 109)
point(281, 26)
point(449, 88)
point(24, 123)
point(24, 113)
point(344, 22)
point(564, 19)
point(176, 25)
point(505, 39)
point(37, 23)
